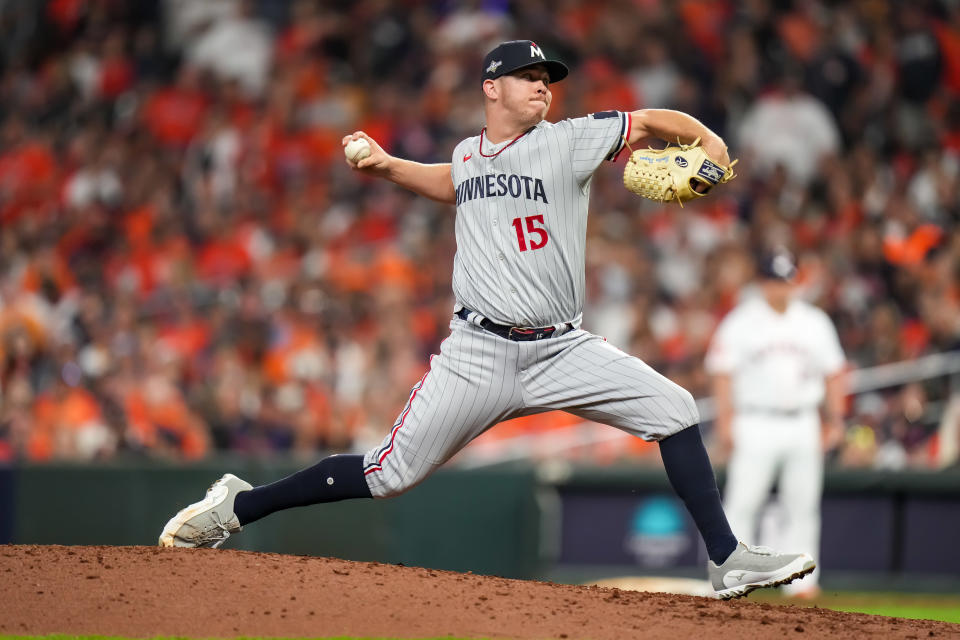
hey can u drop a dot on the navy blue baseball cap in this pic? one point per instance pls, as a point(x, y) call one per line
point(777, 265)
point(510, 56)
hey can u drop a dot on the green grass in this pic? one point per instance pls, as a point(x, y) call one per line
point(945, 608)
point(919, 613)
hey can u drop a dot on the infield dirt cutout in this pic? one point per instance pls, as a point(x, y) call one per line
point(203, 593)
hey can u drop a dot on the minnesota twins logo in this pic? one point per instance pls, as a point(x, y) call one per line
point(494, 66)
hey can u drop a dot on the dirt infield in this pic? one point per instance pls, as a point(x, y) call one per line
point(148, 591)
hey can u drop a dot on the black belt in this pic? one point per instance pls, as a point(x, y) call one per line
point(517, 334)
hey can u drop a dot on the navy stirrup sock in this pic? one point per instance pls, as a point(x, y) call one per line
point(335, 478)
point(688, 468)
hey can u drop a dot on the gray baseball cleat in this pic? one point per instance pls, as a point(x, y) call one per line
point(207, 523)
point(750, 568)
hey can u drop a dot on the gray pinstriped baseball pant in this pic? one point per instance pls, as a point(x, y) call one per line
point(480, 379)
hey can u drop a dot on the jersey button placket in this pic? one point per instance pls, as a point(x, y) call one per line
point(494, 212)
point(501, 256)
point(513, 289)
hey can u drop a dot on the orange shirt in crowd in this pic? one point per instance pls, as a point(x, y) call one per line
point(59, 271)
point(148, 416)
point(138, 225)
point(72, 410)
point(27, 178)
point(394, 270)
point(545, 428)
point(606, 88)
point(186, 339)
point(295, 338)
point(348, 273)
point(21, 313)
point(174, 115)
point(222, 261)
point(800, 34)
point(116, 77)
point(912, 249)
point(705, 21)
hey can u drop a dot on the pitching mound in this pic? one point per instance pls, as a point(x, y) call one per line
point(148, 591)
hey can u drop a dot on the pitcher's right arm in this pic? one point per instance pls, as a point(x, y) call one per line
point(429, 180)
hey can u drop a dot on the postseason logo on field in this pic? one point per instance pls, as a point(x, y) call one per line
point(658, 536)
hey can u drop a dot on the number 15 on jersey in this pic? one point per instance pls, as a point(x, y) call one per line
point(534, 231)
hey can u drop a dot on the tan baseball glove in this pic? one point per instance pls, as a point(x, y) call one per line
point(676, 173)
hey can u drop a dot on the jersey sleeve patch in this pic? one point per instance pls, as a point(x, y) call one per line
point(600, 115)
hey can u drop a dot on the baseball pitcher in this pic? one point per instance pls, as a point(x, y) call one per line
point(521, 188)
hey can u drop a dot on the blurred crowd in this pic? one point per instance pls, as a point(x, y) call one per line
point(187, 265)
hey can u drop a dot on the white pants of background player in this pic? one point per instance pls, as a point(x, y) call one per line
point(771, 448)
point(480, 379)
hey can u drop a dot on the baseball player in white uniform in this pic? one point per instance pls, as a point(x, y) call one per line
point(521, 189)
point(773, 361)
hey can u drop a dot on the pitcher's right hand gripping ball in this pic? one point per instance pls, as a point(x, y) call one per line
point(675, 173)
point(364, 154)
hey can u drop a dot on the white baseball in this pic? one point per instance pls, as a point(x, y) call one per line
point(357, 150)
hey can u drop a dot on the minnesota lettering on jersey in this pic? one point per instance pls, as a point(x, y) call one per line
point(501, 184)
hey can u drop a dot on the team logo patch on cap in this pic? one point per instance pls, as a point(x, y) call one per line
point(494, 66)
point(710, 172)
point(782, 266)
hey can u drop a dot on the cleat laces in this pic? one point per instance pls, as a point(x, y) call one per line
point(216, 533)
point(761, 550)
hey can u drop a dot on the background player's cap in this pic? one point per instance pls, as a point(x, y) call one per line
point(777, 265)
point(517, 54)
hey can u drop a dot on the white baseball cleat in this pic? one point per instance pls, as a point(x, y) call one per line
point(207, 523)
point(750, 568)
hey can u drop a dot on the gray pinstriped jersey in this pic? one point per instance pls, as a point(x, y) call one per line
point(522, 218)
